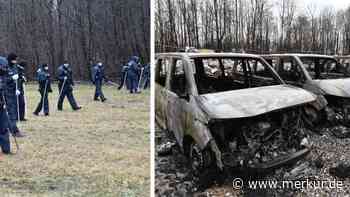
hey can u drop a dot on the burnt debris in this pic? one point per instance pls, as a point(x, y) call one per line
point(274, 138)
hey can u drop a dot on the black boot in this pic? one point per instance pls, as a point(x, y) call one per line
point(77, 108)
point(5, 143)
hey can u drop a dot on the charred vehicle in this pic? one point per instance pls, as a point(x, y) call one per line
point(230, 110)
point(320, 74)
point(344, 61)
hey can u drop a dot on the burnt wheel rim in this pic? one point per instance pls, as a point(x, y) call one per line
point(196, 157)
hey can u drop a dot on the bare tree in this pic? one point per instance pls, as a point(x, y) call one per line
point(256, 26)
point(80, 31)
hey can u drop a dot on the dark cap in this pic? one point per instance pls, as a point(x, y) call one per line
point(11, 57)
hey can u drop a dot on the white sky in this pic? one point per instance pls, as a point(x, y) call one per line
point(303, 5)
point(320, 4)
point(336, 4)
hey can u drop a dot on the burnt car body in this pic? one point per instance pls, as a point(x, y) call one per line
point(230, 110)
point(320, 74)
point(344, 61)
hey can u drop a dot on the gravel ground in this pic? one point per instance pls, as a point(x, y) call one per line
point(173, 177)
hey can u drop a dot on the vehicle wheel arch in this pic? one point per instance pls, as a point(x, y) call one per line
point(210, 148)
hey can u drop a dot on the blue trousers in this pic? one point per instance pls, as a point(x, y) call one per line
point(98, 90)
point(22, 106)
point(67, 92)
point(146, 83)
point(4, 134)
point(132, 83)
point(11, 105)
point(43, 101)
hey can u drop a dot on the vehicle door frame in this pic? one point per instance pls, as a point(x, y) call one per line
point(180, 110)
point(161, 95)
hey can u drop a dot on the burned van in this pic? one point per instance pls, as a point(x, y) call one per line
point(320, 74)
point(230, 110)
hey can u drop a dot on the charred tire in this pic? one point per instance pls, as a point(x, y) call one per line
point(200, 160)
point(203, 166)
point(346, 120)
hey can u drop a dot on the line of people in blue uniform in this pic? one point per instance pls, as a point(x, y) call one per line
point(135, 75)
point(12, 90)
point(65, 88)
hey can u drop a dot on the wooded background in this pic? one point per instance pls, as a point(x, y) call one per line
point(255, 26)
point(80, 31)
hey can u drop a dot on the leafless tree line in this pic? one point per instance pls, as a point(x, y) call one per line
point(80, 31)
point(259, 26)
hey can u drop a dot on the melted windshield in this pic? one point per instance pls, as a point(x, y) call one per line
point(324, 68)
point(226, 74)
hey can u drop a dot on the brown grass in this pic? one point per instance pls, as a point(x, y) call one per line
point(102, 150)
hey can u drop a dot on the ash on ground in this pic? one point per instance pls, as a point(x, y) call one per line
point(329, 160)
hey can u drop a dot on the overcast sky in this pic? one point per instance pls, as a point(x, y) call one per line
point(336, 4)
point(302, 5)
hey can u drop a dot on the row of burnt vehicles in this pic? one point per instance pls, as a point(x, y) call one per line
point(229, 110)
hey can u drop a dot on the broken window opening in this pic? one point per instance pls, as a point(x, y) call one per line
point(324, 68)
point(289, 70)
point(219, 74)
point(161, 71)
point(178, 83)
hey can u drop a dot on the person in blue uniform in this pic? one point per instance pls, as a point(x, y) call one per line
point(43, 77)
point(4, 119)
point(133, 74)
point(65, 86)
point(98, 77)
point(124, 77)
point(12, 94)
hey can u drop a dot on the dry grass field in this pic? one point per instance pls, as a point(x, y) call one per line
point(102, 150)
